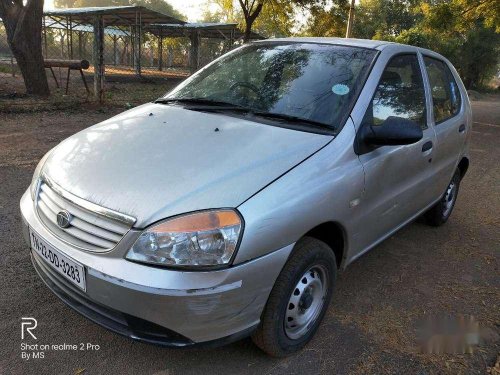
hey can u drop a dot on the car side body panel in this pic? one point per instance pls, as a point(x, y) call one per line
point(324, 188)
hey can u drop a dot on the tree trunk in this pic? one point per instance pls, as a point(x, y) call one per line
point(23, 24)
point(250, 15)
point(248, 32)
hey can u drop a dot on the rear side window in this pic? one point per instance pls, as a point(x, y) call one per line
point(446, 98)
point(400, 93)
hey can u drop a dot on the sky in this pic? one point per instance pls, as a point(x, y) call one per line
point(192, 9)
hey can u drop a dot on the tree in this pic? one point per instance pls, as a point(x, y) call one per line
point(329, 22)
point(279, 14)
point(276, 18)
point(23, 25)
point(463, 31)
point(251, 10)
point(385, 19)
point(467, 32)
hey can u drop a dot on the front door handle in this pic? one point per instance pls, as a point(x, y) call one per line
point(461, 129)
point(427, 146)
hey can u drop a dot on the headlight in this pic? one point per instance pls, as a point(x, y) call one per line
point(36, 175)
point(206, 238)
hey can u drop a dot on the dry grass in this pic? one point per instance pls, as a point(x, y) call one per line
point(123, 92)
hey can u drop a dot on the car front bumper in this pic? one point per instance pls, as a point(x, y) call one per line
point(157, 305)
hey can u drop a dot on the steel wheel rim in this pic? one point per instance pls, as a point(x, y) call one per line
point(306, 302)
point(449, 198)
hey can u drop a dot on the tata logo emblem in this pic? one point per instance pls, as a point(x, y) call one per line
point(64, 219)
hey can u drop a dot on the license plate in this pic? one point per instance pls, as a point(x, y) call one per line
point(68, 268)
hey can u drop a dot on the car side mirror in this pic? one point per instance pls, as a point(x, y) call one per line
point(392, 132)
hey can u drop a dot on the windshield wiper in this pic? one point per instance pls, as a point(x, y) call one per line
point(209, 105)
point(291, 119)
point(204, 104)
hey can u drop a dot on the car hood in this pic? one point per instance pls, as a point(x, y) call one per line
point(156, 161)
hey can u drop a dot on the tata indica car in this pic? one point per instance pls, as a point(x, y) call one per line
point(227, 207)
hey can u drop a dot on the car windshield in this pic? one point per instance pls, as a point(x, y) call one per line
point(313, 82)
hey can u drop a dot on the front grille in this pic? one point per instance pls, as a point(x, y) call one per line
point(88, 230)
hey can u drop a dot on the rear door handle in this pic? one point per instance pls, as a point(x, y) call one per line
point(461, 129)
point(427, 146)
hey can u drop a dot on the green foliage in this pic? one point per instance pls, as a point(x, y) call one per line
point(465, 31)
point(276, 19)
point(326, 21)
point(384, 19)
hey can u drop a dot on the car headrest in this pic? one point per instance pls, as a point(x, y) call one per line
point(391, 78)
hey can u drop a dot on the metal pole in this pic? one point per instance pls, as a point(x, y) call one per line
point(194, 55)
point(45, 36)
point(160, 51)
point(139, 40)
point(99, 59)
point(137, 43)
point(67, 38)
point(131, 56)
point(231, 40)
point(70, 38)
point(115, 52)
point(80, 45)
point(350, 20)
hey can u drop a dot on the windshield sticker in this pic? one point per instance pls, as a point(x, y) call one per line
point(340, 89)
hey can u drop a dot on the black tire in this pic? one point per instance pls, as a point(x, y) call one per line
point(308, 255)
point(439, 213)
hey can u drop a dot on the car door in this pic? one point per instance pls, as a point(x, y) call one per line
point(397, 178)
point(447, 118)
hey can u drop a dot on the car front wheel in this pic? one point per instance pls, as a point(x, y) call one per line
point(299, 299)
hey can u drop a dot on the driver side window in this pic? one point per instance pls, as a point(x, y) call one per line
point(400, 93)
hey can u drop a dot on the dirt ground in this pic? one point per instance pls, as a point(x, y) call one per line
point(370, 328)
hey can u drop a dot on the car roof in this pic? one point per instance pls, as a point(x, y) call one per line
point(365, 43)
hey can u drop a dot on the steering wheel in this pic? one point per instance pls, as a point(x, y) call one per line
point(247, 85)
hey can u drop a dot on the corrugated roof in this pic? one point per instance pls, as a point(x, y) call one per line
point(85, 28)
point(211, 30)
point(114, 15)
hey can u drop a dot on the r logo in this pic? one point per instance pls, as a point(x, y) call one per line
point(28, 324)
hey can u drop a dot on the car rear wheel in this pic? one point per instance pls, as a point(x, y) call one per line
point(299, 299)
point(439, 213)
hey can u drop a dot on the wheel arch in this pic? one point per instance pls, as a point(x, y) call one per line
point(333, 234)
point(463, 166)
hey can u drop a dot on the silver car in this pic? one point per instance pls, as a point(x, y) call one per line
point(227, 207)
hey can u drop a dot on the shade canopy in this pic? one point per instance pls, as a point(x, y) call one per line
point(114, 16)
point(205, 30)
point(113, 31)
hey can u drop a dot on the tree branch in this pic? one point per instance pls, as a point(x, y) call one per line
point(244, 9)
point(473, 6)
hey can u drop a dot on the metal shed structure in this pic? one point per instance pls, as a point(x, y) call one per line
point(127, 41)
point(227, 32)
point(134, 18)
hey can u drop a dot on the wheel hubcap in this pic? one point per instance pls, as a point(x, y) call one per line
point(306, 302)
point(449, 198)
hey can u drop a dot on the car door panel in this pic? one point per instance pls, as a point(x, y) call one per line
point(398, 179)
point(447, 117)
